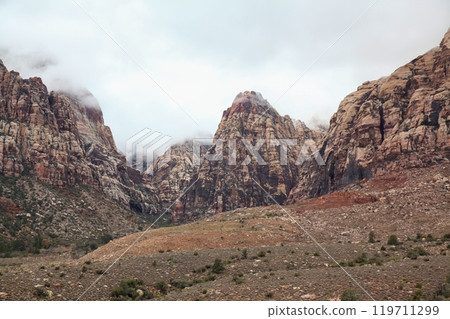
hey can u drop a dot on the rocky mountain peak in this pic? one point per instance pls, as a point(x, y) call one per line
point(397, 122)
point(61, 139)
point(249, 102)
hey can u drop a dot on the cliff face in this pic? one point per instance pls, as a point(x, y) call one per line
point(227, 183)
point(397, 122)
point(63, 141)
point(173, 171)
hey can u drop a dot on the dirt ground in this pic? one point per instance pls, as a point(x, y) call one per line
point(284, 261)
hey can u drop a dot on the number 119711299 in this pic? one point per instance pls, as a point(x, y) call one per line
point(406, 310)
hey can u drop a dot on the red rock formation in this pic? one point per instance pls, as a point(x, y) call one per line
point(62, 141)
point(227, 184)
point(396, 122)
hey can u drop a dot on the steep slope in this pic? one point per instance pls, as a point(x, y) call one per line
point(396, 122)
point(173, 171)
point(227, 183)
point(305, 133)
point(61, 176)
point(63, 142)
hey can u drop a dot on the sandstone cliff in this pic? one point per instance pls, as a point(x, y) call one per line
point(62, 141)
point(228, 183)
point(396, 122)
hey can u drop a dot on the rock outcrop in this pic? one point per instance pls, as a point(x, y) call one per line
point(228, 181)
point(172, 172)
point(305, 133)
point(63, 141)
point(400, 121)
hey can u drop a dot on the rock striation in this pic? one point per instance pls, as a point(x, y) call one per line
point(61, 139)
point(228, 181)
point(397, 122)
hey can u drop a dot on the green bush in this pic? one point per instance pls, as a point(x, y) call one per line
point(361, 259)
point(350, 295)
point(162, 286)
point(238, 280)
point(416, 252)
point(261, 254)
point(393, 240)
point(245, 253)
point(131, 289)
point(418, 295)
point(181, 284)
point(218, 266)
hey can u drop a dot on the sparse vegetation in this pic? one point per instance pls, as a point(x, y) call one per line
point(261, 254)
point(350, 295)
point(418, 295)
point(131, 289)
point(269, 295)
point(416, 252)
point(218, 266)
point(393, 240)
point(162, 286)
point(238, 280)
point(371, 237)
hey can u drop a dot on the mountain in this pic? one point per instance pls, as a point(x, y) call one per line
point(397, 122)
point(54, 146)
point(173, 171)
point(63, 141)
point(225, 184)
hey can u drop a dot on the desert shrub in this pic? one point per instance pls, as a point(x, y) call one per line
point(245, 253)
point(442, 293)
point(41, 292)
point(162, 286)
point(181, 284)
point(238, 280)
point(393, 240)
point(269, 295)
point(90, 244)
point(418, 295)
point(261, 254)
point(416, 252)
point(371, 237)
point(350, 295)
point(361, 259)
point(131, 289)
point(209, 277)
point(218, 266)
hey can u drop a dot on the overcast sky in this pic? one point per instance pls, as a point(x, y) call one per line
point(202, 53)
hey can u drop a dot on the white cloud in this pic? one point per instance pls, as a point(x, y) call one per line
point(204, 53)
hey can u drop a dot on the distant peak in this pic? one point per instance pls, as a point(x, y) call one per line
point(256, 98)
point(250, 102)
